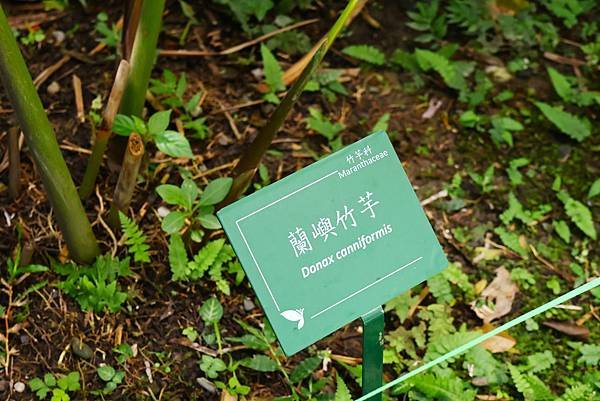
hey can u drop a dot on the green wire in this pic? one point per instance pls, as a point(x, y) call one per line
point(540, 309)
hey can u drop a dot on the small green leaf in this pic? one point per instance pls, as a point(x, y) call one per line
point(469, 119)
point(272, 70)
point(40, 388)
point(191, 333)
point(321, 124)
point(511, 240)
point(449, 71)
point(70, 382)
point(215, 191)
point(369, 54)
point(341, 392)
point(173, 222)
point(159, 122)
point(211, 311)
point(178, 258)
point(594, 189)
point(190, 191)
point(554, 285)
point(590, 354)
point(561, 84)
point(173, 144)
point(123, 125)
point(260, 363)
point(579, 214)
point(382, 123)
point(515, 176)
point(575, 127)
point(49, 380)
point(305, 369)
point(212, 366)
point(171, 194)
point(209, 221)
point(59, 395)
point(562, 229)
point(106, 372)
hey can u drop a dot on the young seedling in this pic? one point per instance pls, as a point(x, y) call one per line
point(95, 287)
point(211, 313)
point(139, 132)
point(58, 386)
point(194, 207)
point(321, 125)
point(111, 377)
point(170, 91)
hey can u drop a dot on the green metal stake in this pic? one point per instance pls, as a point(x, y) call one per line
point(372, 359)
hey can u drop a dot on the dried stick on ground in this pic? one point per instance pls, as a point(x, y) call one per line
point(127, 178)
point(78, 93)
point(14, 160)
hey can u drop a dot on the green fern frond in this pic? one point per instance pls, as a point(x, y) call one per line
point(532, 388)
point(521, 382)
point(135, 239)
point(440, 288)
point(578, 392)
point(439, 319)
point(540, 361)
point(456, 276)
point(205, 258)
point(444, 344)
point(443, 388)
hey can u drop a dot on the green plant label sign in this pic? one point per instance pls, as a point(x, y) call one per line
point(332, 241)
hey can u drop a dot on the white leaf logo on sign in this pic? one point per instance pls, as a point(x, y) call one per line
point(295, 315)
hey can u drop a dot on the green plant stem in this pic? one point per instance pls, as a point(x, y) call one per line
point(281, 368)
point(218, 336)
point(42, 142)
point(104, 133)
point(93, 165)
point(143, 55)
point(248, 164)
point(141, 62)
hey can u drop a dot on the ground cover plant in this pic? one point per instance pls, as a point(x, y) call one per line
point(129, 289)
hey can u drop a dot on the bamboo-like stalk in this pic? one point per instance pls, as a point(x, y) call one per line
point(14, 163)
point(248, 164)
point(143, 55)
point(292, 73)
point(104, 133)
point(127, 178)
point(42, 142)
point(132, 12)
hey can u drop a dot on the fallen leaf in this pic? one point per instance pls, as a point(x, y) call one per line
point(568, 328)
point(499, 343)
point(502, 292)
